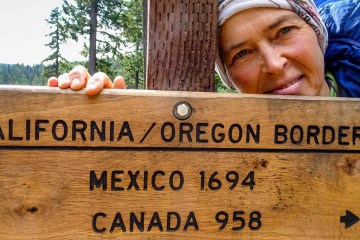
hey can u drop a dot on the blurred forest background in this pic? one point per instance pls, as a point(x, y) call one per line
point(113, 31)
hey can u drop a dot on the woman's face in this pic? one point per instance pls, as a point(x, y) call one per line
point(272, 51)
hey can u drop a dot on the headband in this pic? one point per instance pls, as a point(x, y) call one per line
point(306, 9)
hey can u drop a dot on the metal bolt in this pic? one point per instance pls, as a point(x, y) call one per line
point(182, 110)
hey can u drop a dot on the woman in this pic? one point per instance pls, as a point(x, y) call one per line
point(281, 52)
point(265, 47)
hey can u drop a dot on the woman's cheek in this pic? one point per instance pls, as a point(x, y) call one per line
point(244, 78)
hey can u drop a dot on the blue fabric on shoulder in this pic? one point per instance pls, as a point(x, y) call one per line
point(342, 57)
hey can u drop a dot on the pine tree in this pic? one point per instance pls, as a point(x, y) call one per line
point(132, 62)
point(100, 21)
point(55, 63)
point(20, 74)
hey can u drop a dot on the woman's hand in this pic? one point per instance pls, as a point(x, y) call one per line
point(79, 78)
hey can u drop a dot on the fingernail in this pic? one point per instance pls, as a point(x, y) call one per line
point(91, 86)
point(63, 78)
point(75, 82)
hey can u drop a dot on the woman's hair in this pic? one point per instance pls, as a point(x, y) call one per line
point(306, 9)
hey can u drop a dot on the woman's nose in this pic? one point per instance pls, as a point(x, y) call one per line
point(273, 61)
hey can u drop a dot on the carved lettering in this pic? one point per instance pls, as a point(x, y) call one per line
point(141, 221)
point(55, 129)
point(121, 180)
point(185, 129)
point(155, 222)
point(27, 132)
point(11, 132)
point(316, 135)
point(355, 135)
point(94, 128)
point(94, 221)
point(200, 131)
point(135, 220)
point(39, 129)
point(133, 180)
point(2, 137)
point(153, 180)
point(313, 132)
point(217, 135)
point(79, 126)
point(343, 134)
point(98, 182)
point(126, 132)
point(62, 130)
point(204, 133)
point(181, 132)
point(328, 136)
point(118, 223)
point(115, 178)
point(168, 132)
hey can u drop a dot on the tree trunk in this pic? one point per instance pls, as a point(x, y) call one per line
point(93, 30)
point(145, 18)
point(57, 61)
point(137, 72)
point(181, 45)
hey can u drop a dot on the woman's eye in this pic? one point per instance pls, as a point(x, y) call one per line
point(285, 30)
point(242, 53)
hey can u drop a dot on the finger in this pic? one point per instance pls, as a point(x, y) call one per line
point(53, 82)
point(78, 77)
point(119, 83)
point(64, 81)
point(97, 83)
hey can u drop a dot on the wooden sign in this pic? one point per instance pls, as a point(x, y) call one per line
point(165, 165)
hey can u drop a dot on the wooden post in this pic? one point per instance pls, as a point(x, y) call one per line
point(181, 42)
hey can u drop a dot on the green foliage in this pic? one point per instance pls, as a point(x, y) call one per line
point(100, 21)
point(131, 67)
point(119, 38)
point(132, 25)
point(20, 74)
point(118, 33)
point(132, 62)
point(55, 63)
point(107, 66)
point(119, 43)
point(220, 87)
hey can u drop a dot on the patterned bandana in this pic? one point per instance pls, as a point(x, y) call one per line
point(306, 9)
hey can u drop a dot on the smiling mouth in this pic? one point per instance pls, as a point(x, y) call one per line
point(292, 83)
point(280, 89)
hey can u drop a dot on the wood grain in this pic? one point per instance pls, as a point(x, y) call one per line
point(301, 190)
point(304, 118)
point(181, 41)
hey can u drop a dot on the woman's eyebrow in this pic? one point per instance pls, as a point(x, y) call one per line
point(279, 21)
point(234, 46)
point(273, 25)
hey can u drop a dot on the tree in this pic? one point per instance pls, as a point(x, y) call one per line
point(20, 74)
point(4, 74)
point(132, 61)
point(101, 22)
point(56, 63)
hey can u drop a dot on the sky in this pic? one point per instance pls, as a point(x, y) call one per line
point(23, 31)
